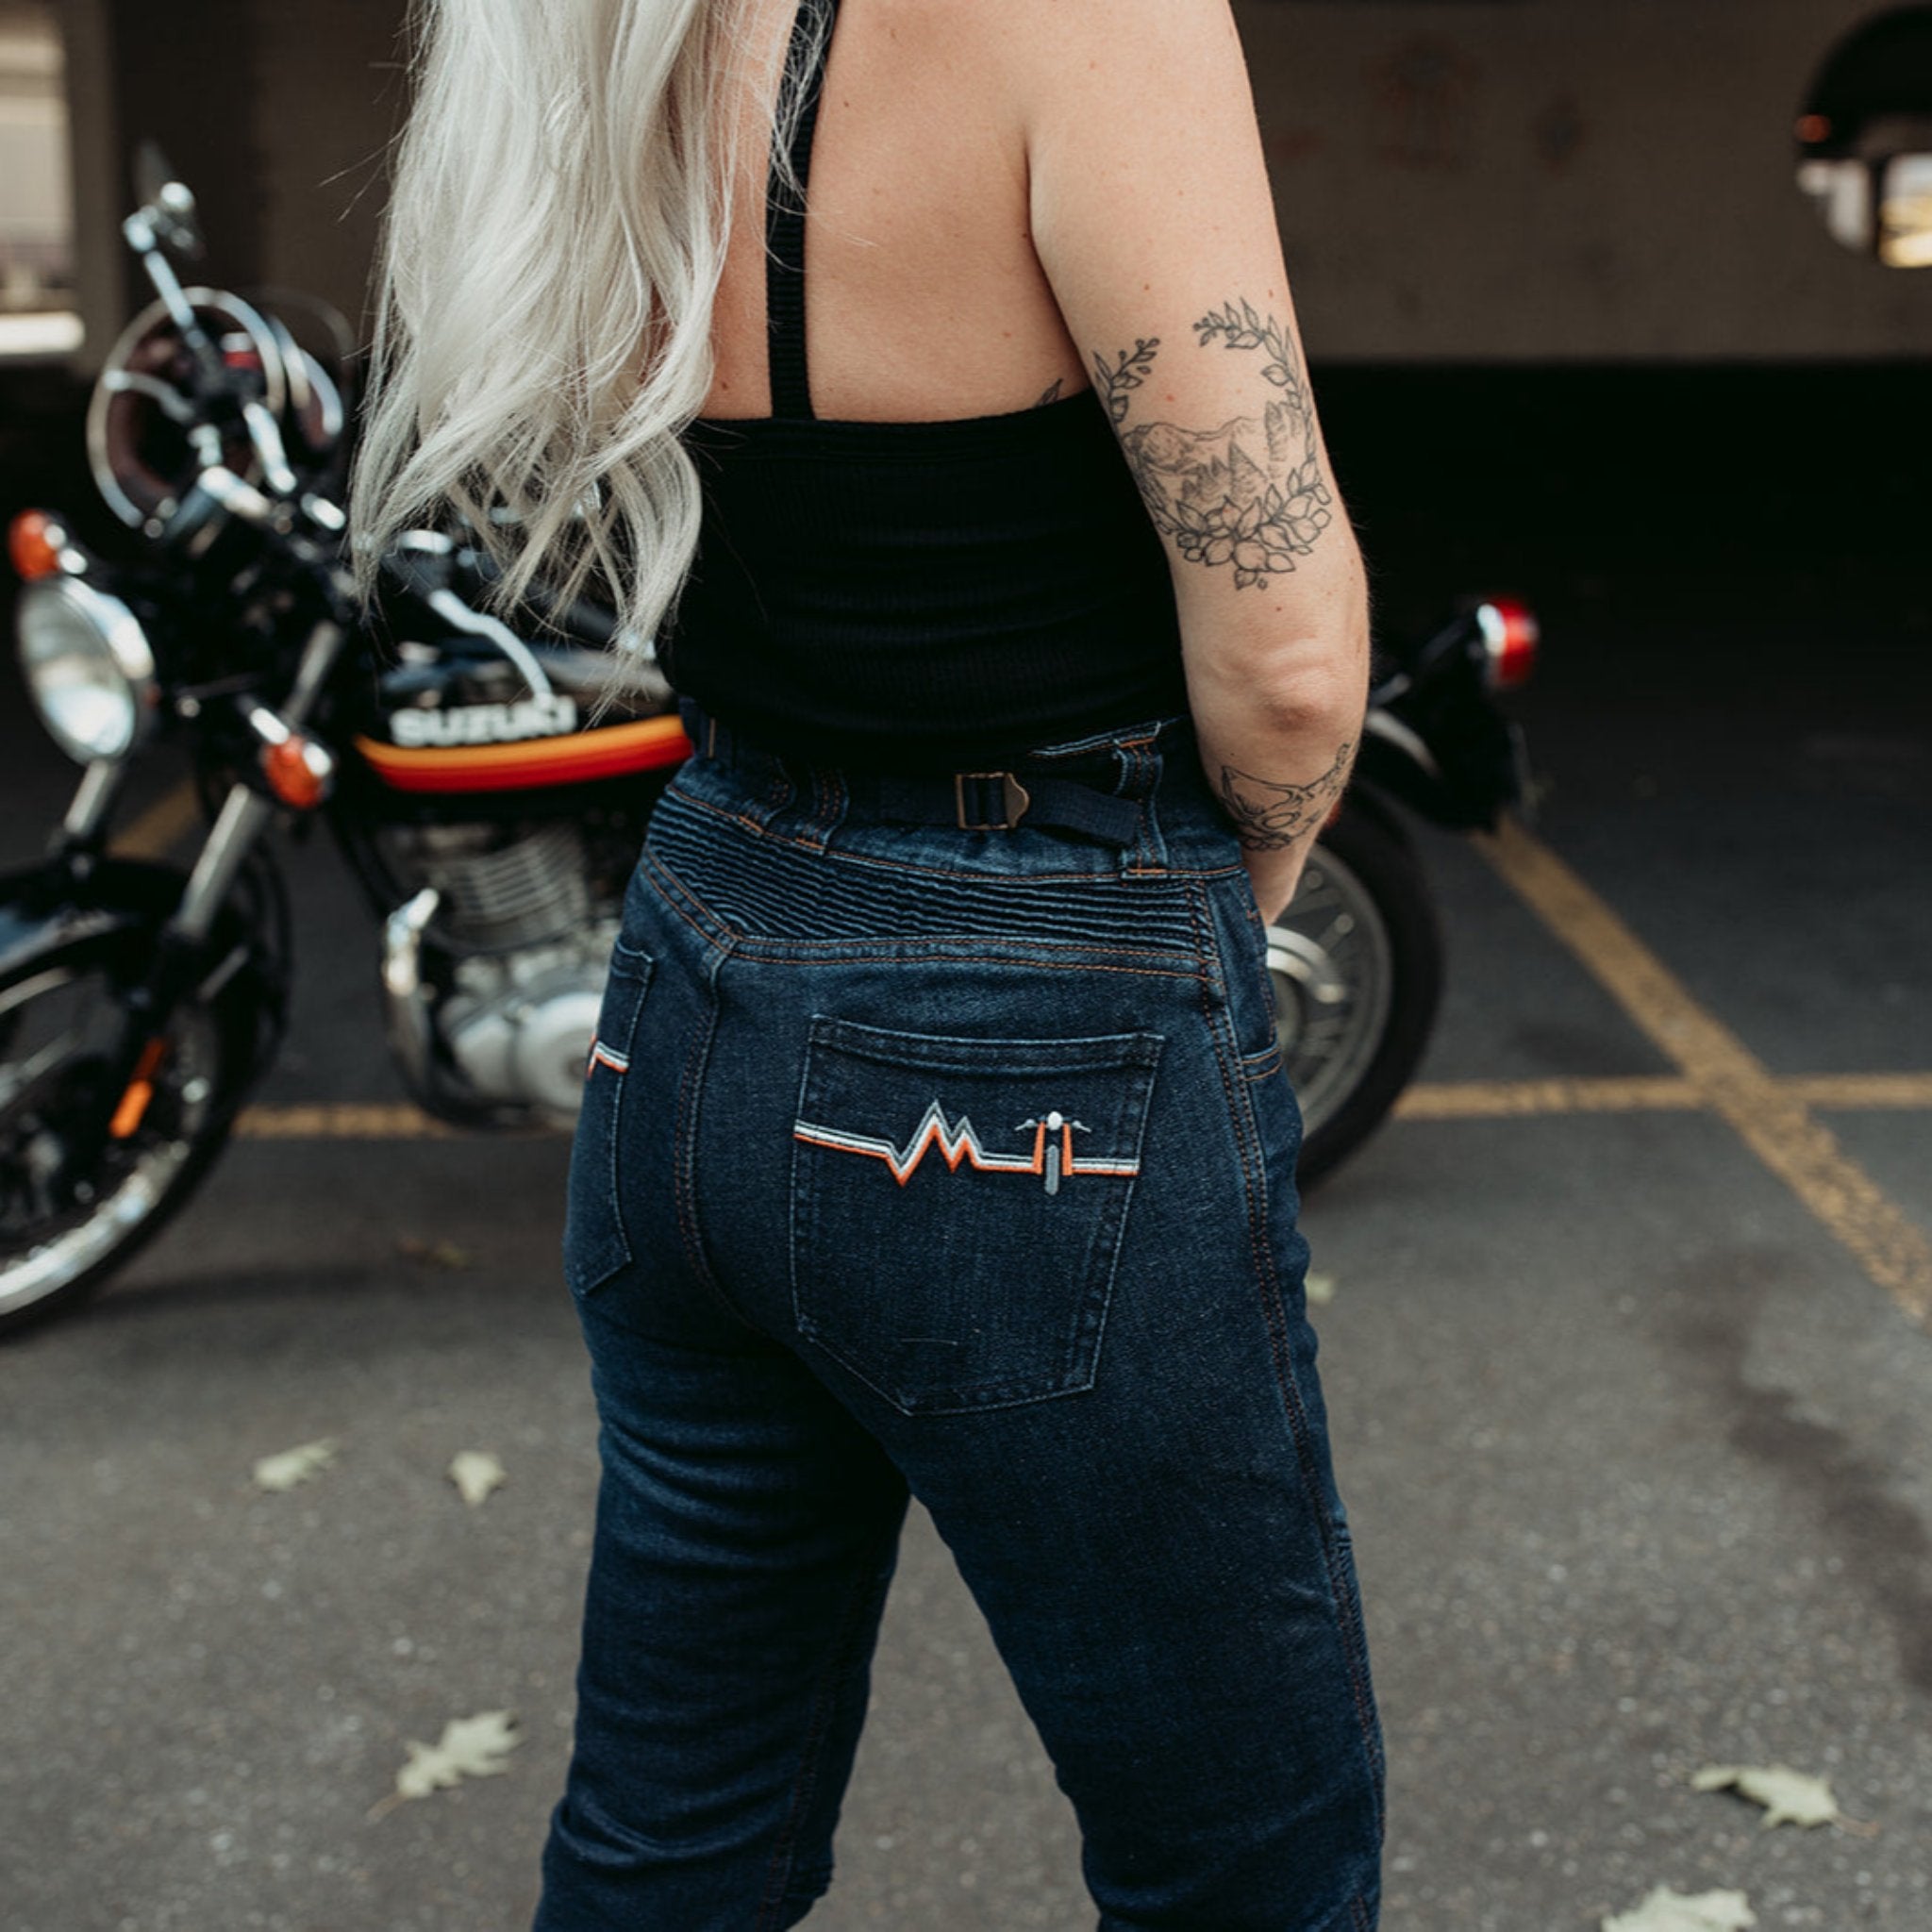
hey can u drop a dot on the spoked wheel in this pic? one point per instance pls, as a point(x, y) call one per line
point(75, 1203)
point(1357, 963)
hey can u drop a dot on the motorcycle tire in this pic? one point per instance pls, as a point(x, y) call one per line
point(1356, 967)
point(62, 1234)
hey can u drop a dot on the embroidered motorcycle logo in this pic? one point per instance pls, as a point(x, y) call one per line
point(1052, 1156)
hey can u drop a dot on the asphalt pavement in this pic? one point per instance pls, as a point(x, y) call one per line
point(1633, 1414)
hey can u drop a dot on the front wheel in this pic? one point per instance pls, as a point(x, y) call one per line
point(70, 1217)
point(1356, 966)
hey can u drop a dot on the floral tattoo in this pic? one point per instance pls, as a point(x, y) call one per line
point(1250, 494)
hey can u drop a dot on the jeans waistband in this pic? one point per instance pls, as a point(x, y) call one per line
point(1093, 786)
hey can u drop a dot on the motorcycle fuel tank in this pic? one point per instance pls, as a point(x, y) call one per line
point(462, 716)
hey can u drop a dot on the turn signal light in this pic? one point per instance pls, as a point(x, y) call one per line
point(139, 1095)
point(1511, 636)
point(33, 543)
point(299, 772)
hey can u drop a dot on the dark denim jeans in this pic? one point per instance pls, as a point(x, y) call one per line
point(959, 1163)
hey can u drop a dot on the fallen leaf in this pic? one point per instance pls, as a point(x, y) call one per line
point(1666, 1911)
point(435, 1254)
point(469, 1747)
point(293, 1466)
point(475, 1474)
point(1320, 1290)
point(1789, 1796)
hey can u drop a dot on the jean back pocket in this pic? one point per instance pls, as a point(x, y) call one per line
point(595, 1244)
point(957, 1207)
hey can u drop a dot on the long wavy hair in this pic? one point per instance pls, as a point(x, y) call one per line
point(561, 209)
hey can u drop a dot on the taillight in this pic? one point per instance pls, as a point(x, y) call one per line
point(34, 543)
point(1510, 638)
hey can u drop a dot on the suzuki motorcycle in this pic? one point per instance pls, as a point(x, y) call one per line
point(488, 784)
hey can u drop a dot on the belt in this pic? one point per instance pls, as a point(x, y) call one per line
point(969, 801)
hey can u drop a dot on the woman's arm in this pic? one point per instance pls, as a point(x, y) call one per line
point(1154, 219)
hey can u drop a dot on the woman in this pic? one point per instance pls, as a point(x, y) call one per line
point(936, 1137)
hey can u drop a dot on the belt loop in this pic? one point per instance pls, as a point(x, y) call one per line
point(1142, 783)
point(829, 795)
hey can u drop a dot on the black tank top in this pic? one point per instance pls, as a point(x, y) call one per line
point(915, 596)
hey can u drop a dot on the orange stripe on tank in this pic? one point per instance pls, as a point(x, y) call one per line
point(576, 760)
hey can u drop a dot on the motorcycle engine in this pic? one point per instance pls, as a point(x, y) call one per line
point(519, 955)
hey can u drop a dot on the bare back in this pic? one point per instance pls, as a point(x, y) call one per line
point(925, 298)
point(1014, 199)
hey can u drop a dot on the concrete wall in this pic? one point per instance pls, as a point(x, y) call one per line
point(1458, 180)
point(1535, 179)
point(277, 115)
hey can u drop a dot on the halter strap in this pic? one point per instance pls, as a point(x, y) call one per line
point(804, 68)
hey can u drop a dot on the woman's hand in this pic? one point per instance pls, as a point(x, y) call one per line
point(1274, 875)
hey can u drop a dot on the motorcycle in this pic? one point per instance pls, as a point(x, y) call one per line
point(488, 785)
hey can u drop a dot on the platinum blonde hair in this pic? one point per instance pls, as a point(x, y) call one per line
point(550, 259)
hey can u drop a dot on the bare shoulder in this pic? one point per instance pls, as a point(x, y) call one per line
point(1094, 47)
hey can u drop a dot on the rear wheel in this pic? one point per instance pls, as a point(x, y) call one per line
point(1357, 964)
point(71, 1207)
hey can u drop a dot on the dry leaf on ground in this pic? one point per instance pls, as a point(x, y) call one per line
point(293, 1466)
point(470, 1747)
point(475, 1474)
point(1666, 1911)
point(1789, 1796)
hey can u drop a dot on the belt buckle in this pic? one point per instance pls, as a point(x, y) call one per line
point(1013, 796)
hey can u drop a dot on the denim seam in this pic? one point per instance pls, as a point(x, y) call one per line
point(1180, 965)
point(717, 932)
point(736, 818)
point(868, 859)
point(684, 1143)
point(987, 953)
point(702, 920)
point(643, 981)
point(777, 1898)
point(1274, 1315)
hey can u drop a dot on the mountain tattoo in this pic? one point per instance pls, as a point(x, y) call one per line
point(1250, 494)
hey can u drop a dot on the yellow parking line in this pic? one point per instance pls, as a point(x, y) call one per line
point(1492, 1100)
point(1852, 1092)
point(1773, 1122)
point(162, 825)
point(340, 1123)
point(1489, 1100)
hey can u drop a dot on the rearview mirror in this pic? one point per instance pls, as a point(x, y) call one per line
point(168, 198)
point(1905, 211)
point(1864, 139)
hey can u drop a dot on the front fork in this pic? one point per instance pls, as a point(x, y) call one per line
point(83, 829)
point(180, 965)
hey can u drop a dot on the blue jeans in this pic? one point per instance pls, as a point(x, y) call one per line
point(958, 1163)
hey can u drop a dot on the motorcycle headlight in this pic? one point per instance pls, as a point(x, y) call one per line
point(88, 667)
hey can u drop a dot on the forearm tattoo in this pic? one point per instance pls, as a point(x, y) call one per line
point(1250, 494)
point(1268, 814)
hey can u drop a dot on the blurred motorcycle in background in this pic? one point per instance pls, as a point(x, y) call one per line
point(480, 780)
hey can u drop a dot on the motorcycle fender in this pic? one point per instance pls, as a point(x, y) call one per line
point(1465, 794)
point(46, 909)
